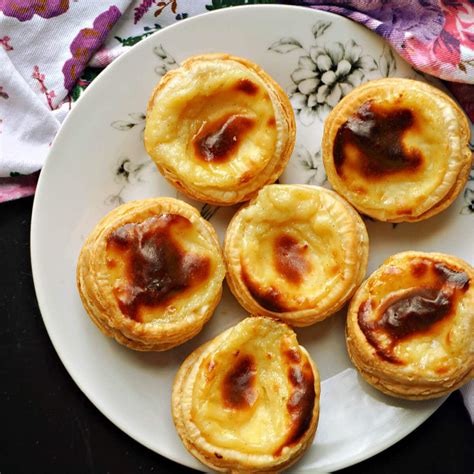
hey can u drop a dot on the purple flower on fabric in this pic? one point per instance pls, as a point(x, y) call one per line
point(141, 10)
point(392, 20)
point(423, 19)
point(85, 44)
point(24, 10)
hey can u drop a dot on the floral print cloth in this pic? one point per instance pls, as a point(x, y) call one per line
point(436, 37)
point(45, 46)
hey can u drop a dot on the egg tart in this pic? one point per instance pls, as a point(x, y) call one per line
point(248, 401)
point(397, 149)
point(150, 273)
point(410, 326)
point(219, 128)
point(295, 252)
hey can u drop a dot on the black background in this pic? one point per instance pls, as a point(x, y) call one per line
point(49, 426)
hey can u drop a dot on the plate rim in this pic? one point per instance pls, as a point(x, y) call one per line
point(35, 225)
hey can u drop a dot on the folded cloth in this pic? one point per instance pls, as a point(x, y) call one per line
point(44, 47)
point(434, 36)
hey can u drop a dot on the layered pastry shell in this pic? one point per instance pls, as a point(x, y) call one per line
point(150, 273)
point(295, 252)
point(219, 128)
point(397, 149)
point(410, 326)
point(248, 401)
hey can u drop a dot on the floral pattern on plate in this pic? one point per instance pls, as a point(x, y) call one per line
point(311, 165)
point(326, 72)
point(126, 172)
point(167, 62)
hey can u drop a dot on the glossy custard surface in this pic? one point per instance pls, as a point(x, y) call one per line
point(157, 265)
point(296, 247)
point(412, 312)
point(213, 124)
point(395, 149)
point(256, 392)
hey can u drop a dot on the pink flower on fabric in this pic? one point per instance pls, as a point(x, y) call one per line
point(5, 42)
point(17, 186)
point(84, 45)
point(3, 94)
point(24, 10)
point(459, 24)
point(442, 56)
point(50, 95)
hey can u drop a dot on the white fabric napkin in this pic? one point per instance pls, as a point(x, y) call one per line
point(44, 47)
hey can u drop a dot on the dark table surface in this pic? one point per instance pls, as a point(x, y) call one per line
point(49, 426)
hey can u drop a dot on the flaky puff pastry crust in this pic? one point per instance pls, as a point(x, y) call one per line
point(397, 149)
point(248, 401)
point(410, 326)
point(219, 128)
point(150, 273)
point(295, 252)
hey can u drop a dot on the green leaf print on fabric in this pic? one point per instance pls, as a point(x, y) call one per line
point(88, 75)
point(132, 40)
point(218, 4)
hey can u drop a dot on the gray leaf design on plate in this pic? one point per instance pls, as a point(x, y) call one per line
point(469, 200)
point(387, 64)
point(320, 27)
point(167, 62)
point(285, 45)
point(129, 172)
point(136, 118)
point(312, 166)
point(115, 199)
point(126, 172)
point(469, 191)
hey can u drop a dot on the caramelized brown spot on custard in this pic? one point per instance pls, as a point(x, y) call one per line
point(271, 122)
point(157, 268)
point(418, 311)
point(377, 133)
point(217, 141)
point(238, 386)
point(269, 298)
point(367, 327)
point(415, 312)
point(247, 87)
point(290, 258)
point(419, 268)
point(292, 355)
point(300, 404)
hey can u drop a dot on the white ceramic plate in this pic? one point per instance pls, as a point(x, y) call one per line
point(98, 161)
